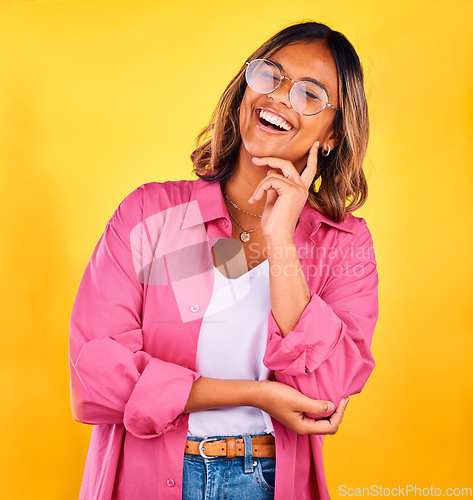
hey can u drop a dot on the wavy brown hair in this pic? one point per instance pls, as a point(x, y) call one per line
point(339, 184)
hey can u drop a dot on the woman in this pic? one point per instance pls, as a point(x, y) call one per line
point(221, 320)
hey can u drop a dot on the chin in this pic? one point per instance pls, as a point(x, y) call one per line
point(260, 148)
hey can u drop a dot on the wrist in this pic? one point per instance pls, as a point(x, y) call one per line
point(258, 393)
point(280, 247)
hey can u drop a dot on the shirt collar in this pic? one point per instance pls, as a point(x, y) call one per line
point(211, 205)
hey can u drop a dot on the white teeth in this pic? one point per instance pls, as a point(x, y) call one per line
point(275, 120)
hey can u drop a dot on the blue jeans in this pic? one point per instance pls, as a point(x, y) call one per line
point(239, 478)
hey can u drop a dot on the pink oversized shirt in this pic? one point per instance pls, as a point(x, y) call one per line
point(135, 324)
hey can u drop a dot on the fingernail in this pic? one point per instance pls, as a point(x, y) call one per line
point(348, 400)
point(331, 406)
point(317, 144)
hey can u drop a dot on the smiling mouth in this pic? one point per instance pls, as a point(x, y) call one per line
point(273, 122)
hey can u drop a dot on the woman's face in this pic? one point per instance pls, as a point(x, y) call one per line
point(298, 61)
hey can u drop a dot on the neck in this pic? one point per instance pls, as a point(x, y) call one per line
point(243, 183)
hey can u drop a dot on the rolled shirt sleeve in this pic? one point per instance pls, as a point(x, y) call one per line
point(328, 353)
point(113, 380)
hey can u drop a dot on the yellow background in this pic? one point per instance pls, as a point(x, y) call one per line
point(98, 97)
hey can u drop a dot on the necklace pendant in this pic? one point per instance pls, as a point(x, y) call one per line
point(245, 236)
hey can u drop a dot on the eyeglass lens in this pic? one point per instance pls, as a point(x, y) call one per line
point(264, 77)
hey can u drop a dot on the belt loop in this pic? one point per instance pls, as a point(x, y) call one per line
point(231, 447)
point(248, 453)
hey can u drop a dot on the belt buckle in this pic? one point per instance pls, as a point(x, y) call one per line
point(201, 447)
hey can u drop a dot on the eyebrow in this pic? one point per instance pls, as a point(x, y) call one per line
point(306, 78)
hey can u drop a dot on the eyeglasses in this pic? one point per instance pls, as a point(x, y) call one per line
point(307, 98)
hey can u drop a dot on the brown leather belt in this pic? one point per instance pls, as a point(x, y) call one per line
point(263, 447)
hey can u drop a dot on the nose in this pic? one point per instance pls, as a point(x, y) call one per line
point(282, 93)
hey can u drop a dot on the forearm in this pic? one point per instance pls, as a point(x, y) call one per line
point(208, 393)
point(286, 281)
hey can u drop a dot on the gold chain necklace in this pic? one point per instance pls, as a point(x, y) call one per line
point(245, 235)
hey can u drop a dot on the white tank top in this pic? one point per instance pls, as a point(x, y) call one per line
point(231, 345)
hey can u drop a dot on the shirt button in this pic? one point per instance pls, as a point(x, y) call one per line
point(170, 482)
point(195, 308)
point(225, 223)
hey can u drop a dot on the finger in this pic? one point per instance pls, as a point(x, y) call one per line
point(311, 426)
point(270, 171)
point(337, 416)
point(317, 406)
point(271, 198)
point(308, 173)
point(285, 166)
point(270, 182)
point(328, 426)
